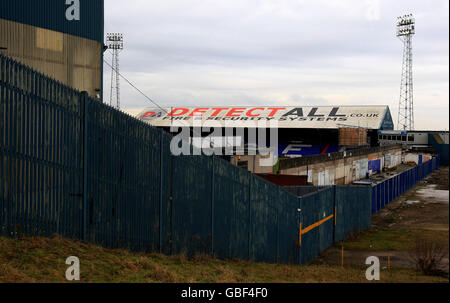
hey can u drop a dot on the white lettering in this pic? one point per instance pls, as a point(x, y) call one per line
point(73, 11)
point(373, 272)
point(73, 271)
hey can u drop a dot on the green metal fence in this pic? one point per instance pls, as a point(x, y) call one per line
point(73, 166)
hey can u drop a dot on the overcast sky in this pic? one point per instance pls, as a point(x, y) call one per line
point(280, 52)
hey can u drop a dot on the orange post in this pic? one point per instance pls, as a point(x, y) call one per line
point(335, 215)
point(300, 234)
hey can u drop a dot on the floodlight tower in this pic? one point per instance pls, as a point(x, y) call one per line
point(115, 43)
point(405, 30)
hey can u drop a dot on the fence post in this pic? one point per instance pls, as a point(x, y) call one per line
point(299, 222)
point(84, 126)
point(249, 215)
point(3, 127)
point(212, 206)
point(161, 144)
point(335, 213)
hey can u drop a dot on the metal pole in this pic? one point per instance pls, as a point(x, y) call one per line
point(212, 207)
point(84, 100)
point(160, 189)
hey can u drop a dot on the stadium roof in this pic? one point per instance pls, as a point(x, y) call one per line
point(371, 117)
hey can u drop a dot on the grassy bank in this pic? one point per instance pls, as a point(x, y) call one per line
point(393, 239)
point(43, 260)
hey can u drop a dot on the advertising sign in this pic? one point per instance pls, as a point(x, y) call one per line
point(371, 117)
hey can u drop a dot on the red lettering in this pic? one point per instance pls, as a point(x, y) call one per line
point(237, 110)
point(217, 111)
point(274, 110)
point(198, 111)
point(249, 113)
point(183, 112)
point(148, 114)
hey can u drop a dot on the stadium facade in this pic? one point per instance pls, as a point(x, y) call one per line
point(62, 39)
point(303, 130)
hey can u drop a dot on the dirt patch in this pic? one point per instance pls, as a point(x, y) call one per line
point(428, 213)
point(421, 212)
point(440, 178)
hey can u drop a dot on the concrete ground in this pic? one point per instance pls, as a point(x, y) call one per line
point(420, 213)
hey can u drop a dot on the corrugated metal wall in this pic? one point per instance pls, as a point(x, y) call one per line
point(191, 204)
point(76, 167)
point(40, 154)
point(231, 211)
point(123, 192)
point(51, 14)
point(353, 207)
point(72, 60)
point(313, 208)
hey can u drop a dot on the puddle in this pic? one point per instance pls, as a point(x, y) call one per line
point(412, 201)
point(430, 194)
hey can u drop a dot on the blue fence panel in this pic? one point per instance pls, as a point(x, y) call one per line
point(310, 247)
point(231, 211)
point(191, 205)
point(326, 203)
point(263, 221)
point(409, 176)
point(413, 174)
point(394, 188)
point(379, 196)
point(288, 237)
point(40, 154)
point(402, 183)
point(165, 193)
point(126, 174)
point(374, 200)
point(390, 190)
point(397, 186)
point(353, 205)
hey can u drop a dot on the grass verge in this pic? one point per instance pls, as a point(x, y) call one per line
point(393, 239)
point(43, 260)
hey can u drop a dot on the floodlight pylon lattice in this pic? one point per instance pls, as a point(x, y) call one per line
point(114, 42)
point(405, 30)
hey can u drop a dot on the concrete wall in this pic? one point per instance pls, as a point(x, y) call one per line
point(415, 158)
point(392, 159)
point(74, 61)
point(346, 170)
point(254, 163)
